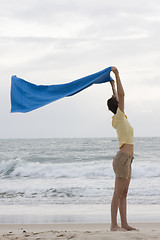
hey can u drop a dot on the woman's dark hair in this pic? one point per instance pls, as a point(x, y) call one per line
point(112, 104)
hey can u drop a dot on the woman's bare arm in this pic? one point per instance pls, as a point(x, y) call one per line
point(120, 90)
point(112, 82)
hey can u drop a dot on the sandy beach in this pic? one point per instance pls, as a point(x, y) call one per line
point(79, 231)
point(75, 222)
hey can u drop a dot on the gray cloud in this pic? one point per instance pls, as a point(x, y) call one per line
point(46, 42)
point(40, 9)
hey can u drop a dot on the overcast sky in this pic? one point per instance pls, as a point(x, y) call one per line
point(58, 41)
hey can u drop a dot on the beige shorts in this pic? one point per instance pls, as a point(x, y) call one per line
point(122, 164)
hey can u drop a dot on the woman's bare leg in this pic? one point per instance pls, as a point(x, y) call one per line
point(123, 205)
point(123, 208)
point(120, 184)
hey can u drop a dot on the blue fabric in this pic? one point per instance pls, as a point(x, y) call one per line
point(26, 96)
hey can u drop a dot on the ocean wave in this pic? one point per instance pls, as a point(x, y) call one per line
point(19, 168)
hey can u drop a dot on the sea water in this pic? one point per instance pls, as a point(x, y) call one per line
point(74, 171)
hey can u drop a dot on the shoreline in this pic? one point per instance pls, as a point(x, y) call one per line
point(53, 214)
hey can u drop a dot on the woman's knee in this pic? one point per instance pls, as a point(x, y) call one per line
point(125, 194)
point(121, 194)
point(118, 195)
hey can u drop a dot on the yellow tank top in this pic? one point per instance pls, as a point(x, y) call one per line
point(123, 128)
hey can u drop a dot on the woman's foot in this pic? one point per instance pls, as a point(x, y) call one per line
point(128, 228)
point(116, 228)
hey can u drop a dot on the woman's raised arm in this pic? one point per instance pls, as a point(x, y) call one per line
point(120, 90)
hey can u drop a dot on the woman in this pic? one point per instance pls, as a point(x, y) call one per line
point(124, 157)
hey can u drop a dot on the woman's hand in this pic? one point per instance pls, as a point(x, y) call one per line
point(115, 70)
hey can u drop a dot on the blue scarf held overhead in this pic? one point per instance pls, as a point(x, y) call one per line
point(26, 96)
